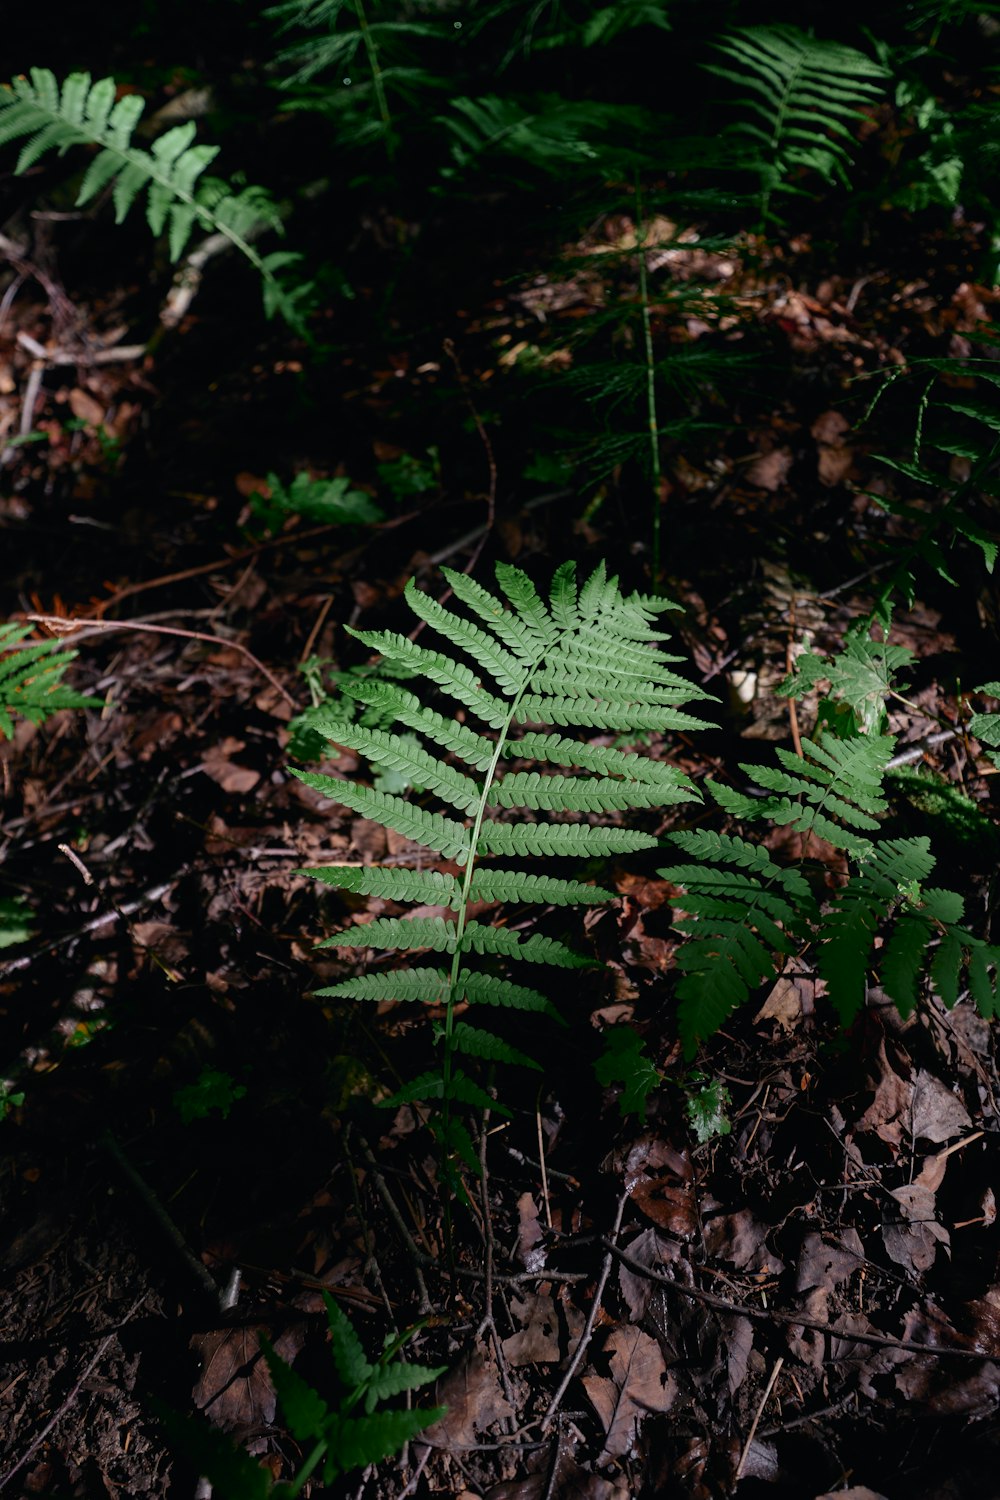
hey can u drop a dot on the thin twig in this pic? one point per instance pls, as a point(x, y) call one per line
point(588, 1327)
point(789, 1319)
point(113, 354)
point(63, 627)
point(199, 1271)
point(756, 1418)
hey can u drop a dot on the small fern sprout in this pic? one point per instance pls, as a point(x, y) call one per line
point(587, 659)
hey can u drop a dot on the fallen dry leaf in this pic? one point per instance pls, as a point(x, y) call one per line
point(660, 1182)
point(768, 471)
point(530, 1252)
point(638, 1384)
point(224, 771)
point(889, 1114)
point(826, 1265)
point(938, 1114)
point(538, 1339)
point(652, 1250)
point(85, 408)
point(234, 1388)
point(739, 1239)
point(475, 1402)
point(912, 1239)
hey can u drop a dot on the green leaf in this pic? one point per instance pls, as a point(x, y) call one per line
point(553, 839)
point(475, 1042)
point(304, 1411)
point(429, 986)
point(397, 932)
point(444, 835)
point(348, 1354)
point(391, 883)
point(231, 1470)
point(487, 989)
point(514, 885)
point(706, 1110)
point(624, 1061)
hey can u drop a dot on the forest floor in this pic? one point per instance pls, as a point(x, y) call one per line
point(809, 1302)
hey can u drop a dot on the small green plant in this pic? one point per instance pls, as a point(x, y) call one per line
point(170, 176)
point(356, 1431)
point(743, 913)
point(586, 659)
point(954, 460)
point(986, 726)
point(330, 502)
point(31, 682)
point(10, 1098)
point(212, 1090)
point(15, 921)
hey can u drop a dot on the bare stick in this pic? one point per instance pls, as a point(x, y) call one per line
point(757, 1416)
point(792, 1319)
point(588, 1328)
point(62, 626)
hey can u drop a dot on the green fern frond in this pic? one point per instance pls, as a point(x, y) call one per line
point(171, 175)
point(733, 907)
point(455, 678)
point(31, 682)
point(475, 749)
point(587, 656)
point(488, 989)
point(556, 750)
point(802, 98)
point(509, 673)
point(397, 933)
point(417, 764)
point(536, 949)
point(572, 793)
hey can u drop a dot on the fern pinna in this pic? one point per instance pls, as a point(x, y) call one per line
point(588, 659)
point(745, 914)
point(179, 197)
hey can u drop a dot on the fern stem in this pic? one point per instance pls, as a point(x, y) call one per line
point(461, 917)
point(371, 50)
point(651, 411)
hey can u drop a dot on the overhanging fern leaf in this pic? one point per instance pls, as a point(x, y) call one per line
point(802, 99)
point(171, 176)
point(31, 682)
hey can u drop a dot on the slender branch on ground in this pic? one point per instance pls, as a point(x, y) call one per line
point(65, 627)
point(791, 1319)
point(588, 1327)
